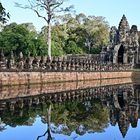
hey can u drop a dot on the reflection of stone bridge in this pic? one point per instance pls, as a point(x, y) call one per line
point(21, 91)
point(104, 93)
point(122, 101)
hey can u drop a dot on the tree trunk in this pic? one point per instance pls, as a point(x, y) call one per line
point(49, 41)
point(49, 123)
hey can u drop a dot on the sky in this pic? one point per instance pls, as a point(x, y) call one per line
point(112, 10)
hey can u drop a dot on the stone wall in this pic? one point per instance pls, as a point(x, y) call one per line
point(18, 78)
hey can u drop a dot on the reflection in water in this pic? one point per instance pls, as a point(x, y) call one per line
point(2, 126)
point(48, 132)
point(81, 111)
point(124, 110)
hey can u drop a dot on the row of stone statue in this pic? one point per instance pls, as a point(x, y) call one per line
point(104, 93)
point(22, 63)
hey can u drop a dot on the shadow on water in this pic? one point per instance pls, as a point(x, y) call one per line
point(83, 111)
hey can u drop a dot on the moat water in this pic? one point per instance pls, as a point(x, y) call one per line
point(98, 113)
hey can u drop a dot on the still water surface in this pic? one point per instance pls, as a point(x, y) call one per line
point(99, 113)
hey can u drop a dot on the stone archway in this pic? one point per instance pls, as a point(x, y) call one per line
point(121, 100)
point(121, 54)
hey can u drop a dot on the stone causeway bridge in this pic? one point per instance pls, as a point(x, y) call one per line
point(30, 70)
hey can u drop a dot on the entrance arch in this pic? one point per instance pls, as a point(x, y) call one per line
point(121, 54)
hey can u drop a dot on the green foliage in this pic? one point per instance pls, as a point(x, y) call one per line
point(78, 34)
point(89, 33)
point(13, 38)
point(95, 50)
point(72, 48)
point(18, 38)
point(56, 50)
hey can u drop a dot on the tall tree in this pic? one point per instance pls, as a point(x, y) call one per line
point(3, 14)
point(89, 33)
point(96, 32)
point(50, 8)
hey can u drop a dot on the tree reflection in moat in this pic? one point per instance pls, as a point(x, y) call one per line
point(83, 114)
point(83, 111)
point(2, 126)
point(77, 116)
point(66, 117)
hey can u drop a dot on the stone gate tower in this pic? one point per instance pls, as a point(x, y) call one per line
point(123, 47)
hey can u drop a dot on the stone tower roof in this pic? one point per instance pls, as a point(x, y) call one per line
point(124, 25)
point(123, 123)
point(124, 129)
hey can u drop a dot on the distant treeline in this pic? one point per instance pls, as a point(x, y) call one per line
point(78, 34)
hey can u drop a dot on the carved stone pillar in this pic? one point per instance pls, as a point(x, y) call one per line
point(20, 62)
point(42, 63)
point(11, 62)
point(35, 63)
point(48, 64)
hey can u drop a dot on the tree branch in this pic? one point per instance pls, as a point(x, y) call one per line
point(50, 6)
point(40, 15)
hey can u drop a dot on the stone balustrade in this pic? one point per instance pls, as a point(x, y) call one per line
point(57, 64)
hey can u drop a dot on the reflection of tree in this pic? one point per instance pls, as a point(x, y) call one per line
point(14, 118)
point(80, 116)
point(2, 126)
point(67, 117)
point(75, 116)
point(49, 137)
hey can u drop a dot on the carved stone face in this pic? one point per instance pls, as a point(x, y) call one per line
point(123, 36)
point(113, 35)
